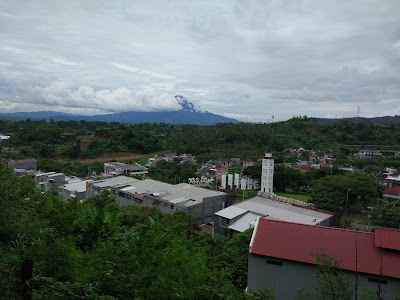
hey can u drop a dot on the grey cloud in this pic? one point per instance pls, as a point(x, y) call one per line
point(246, 58)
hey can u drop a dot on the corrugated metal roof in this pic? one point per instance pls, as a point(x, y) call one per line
point(298, 242)
point(283, 211)
point(388, 239)
point(114, 181)
point(193, 195)
point(245, 222)
point(231, 212)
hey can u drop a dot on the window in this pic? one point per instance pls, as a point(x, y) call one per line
point(377, 280)
point(274, 262)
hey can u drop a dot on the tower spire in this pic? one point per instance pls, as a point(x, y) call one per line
point(267, 176)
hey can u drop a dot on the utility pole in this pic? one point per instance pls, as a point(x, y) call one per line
point(347, 202)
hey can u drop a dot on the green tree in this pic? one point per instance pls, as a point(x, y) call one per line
point(331, 192)
point(332, 283)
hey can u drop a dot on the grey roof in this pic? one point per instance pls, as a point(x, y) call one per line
point(231, 212)
point(172, 193)
point(78, 186)
point(283, 211)
point(40, 173)
point(126, 167)
point(247, 221)
point(114, 181)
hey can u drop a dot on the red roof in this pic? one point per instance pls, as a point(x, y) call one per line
point(298, 242)
point(23, 160)
point(303, 168)
point(388, 239)
point(247, 160)
point(393, 191)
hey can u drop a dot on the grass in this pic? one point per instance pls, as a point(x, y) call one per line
point(295, 195)
point(243, 195)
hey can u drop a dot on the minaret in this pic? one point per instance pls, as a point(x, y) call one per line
point(267, 175)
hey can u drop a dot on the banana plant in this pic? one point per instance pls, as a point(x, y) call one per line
point(103, 225)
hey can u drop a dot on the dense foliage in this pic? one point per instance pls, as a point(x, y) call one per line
point(100, 250)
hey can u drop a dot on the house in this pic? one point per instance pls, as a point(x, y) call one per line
point(40, 179)
point(282, 257)
point(247, 163)
point(23, 164)
point(117, 168)
point(397, 154)
point(391, 181)
point(392, 194)
point(76, 189)
point(198, 202)
point(54, 181)
point(369, 152)
point(235, 161)
point(4, 139)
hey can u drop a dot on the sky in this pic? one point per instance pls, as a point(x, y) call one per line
point(249, 60)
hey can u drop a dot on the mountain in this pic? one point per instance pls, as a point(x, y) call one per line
point(188, 114)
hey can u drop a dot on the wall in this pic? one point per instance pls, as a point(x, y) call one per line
point(289, 278)
point(27, 165)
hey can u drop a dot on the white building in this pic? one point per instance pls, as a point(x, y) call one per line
point(267, 175)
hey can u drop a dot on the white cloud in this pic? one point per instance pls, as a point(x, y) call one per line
point(252, 59)
point(60, 94)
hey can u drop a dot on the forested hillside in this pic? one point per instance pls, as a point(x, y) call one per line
point(81, 139)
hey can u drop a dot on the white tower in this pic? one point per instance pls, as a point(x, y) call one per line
point(267, 175)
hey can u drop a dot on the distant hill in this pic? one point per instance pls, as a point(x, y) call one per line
point(375, 120)
point(188, 114)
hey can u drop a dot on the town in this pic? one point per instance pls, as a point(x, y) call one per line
point(292, 231)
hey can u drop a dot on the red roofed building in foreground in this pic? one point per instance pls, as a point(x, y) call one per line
point(282, 257)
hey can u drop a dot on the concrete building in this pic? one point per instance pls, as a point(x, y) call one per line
point(23, 164)
point(369, 152)
point(76, 189)
point(247, 163)
point(95, 187)
point(40, 179)
point(282, 257)
point(198, 202)
point(4, 139)
point(391, 181)
point(243, 215)
point(267, 175)
point(117, 168)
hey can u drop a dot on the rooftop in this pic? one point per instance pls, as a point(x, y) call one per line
point(179, 193)
point(299, 242)
point(392, 191)
point(282, 211)
point(78, 186)
point(114, 181)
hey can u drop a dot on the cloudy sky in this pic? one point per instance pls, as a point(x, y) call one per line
point(245, 59)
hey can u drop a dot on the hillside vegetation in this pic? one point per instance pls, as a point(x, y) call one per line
point(81, 139)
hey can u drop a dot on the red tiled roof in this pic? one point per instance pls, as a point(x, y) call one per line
point(303, 168)
point(393, 191)
point(23, 160)
point(298, 242)
point(388, 239)
point(247, 160)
